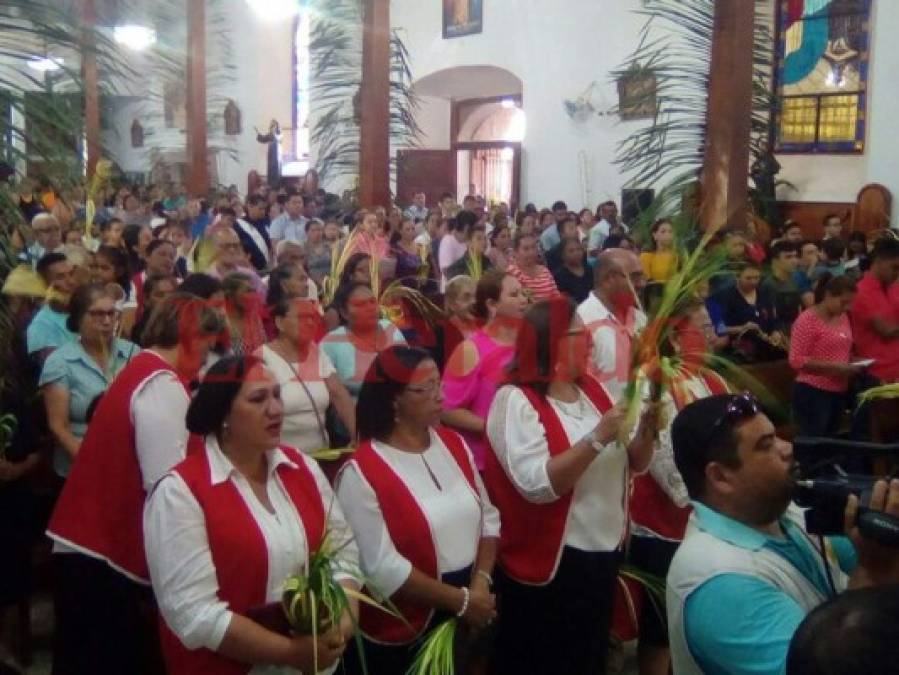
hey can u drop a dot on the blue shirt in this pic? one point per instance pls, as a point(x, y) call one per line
point(351, 363)
point(740, 625)
point(284, 227)
point(198, 228)
point(73, 369)
point(47, 330)
point(550, 238)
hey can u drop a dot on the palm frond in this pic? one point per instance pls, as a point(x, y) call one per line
point(336, 48)
point(675, 47)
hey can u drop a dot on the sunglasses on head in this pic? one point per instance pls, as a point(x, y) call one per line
point(741, 407)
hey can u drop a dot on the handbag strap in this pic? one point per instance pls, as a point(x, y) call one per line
point(318, 417)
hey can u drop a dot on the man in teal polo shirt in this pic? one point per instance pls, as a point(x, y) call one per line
point(747, 573)
point(47, 329)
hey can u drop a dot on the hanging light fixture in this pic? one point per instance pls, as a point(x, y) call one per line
point(135, 37)
point(46, 64)
point(274, 10)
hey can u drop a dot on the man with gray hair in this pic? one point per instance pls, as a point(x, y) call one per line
point(613, 316)
point(47, 237)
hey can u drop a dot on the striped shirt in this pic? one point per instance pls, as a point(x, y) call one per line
point(541, 286)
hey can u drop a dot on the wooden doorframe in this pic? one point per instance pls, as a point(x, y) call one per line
point(516, 163)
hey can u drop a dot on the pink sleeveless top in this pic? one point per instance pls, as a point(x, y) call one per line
point(475, 391)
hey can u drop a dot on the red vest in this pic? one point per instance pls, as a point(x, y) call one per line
point(239, 551)
point(651, 507)
point(411, 534)
point(100, 509)
point(532, 534)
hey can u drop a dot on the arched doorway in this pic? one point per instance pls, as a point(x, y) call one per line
point(475, 115)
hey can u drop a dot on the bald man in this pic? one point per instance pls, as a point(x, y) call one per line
point(612, 315)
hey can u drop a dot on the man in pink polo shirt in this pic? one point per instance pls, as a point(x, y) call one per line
point(875, 312)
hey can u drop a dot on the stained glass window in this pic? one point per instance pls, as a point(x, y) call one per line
point(822, 74)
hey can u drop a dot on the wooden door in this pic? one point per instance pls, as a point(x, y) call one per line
point(430, 171)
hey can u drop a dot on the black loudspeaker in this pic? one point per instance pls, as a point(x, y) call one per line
point(634, 202)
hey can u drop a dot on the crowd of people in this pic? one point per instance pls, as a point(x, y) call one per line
point(193, 359)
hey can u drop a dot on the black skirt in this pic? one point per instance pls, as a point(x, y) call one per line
point(106, 624)
point(562, 627)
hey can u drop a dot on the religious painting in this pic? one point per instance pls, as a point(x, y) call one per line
point(174, 96)
point(822, 75)
point(462, 17)
point(637, 98)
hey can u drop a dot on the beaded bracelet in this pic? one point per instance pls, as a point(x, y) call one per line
point(465, 601)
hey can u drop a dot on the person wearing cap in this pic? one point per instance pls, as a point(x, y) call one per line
point(747, 572)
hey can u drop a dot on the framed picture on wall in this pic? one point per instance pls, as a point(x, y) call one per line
point(462, 17)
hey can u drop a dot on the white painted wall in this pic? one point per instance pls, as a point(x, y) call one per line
point(557, 50)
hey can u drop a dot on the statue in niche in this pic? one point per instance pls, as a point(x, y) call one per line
point(764, 172)
point(137, 134)
point(174, 95)
point(273, 139)
point(232, 119)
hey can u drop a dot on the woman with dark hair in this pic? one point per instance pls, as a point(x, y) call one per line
point(203, 286)
point(500, 253)
point(136, 238)
point(821, 354)
point(748, 312)
point(229, 524)
point(556, 462)
point(244, 311)
point(137, 433)
point(537, 281)
point(287, 281)
point(309, 382)
point(366, 236)
point(476, 368)
point(156, 289)
point(573, 277)
point(110, 266)
point(79, 371)
point(411, 258)
point(353, 346)
point(425, 526)
point(356, 270)
point(660, 261)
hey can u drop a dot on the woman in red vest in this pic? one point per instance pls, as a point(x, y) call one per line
point(660, 506)
point(426, 529)
point(135, 436)
point(228, 525)
point(559, 478)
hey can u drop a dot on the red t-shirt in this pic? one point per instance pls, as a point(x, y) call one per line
point(874, 301)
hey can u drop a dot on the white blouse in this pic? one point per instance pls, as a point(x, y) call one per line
point(301, 429)
point(456, 519)
point(598, 514)
point(180, 561)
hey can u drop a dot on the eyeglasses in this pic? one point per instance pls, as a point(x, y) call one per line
point(741, 407)
point(47, 230)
